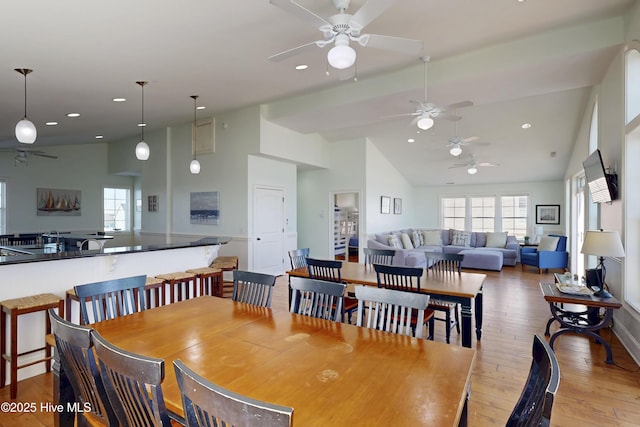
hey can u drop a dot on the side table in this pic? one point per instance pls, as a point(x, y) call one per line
point(586, 322)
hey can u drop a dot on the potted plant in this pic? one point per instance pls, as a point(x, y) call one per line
point(526, 240)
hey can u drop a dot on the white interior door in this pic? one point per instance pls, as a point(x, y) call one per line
point(268, 230)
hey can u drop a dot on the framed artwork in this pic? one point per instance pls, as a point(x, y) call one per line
point(152, 203)
point(54, 202)
point(205, 207)
point(547, 214)
point(385, 204)
point(397, 206)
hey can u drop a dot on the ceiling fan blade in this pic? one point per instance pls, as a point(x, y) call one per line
point(292, 52)
point(368, 12)
point(448, 116)
point(460, 105)
point(458, 165)
point(396, 44)
point(487, 164)
point(470, 139)
point(301, 12)
point(40, 154)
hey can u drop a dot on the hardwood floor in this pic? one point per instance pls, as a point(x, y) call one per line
point(591, 392)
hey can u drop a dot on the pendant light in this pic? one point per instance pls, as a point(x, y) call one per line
point(142, 149)
point(26, 132)
point(194, 166)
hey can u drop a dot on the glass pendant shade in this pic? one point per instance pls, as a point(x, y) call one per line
point(455, 150)
point(142, 151)
point(26, 132)
point(472, 170)
point(342, 55)
point(194, 166)
point(425, 122)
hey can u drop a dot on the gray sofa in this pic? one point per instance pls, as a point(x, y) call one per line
point(485, 251)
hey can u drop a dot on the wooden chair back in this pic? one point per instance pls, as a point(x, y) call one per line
point(298, 258)
point(325, 269)
point(133, 384)
point(536, 401)
point(111, 298)
point(207, 404)
point(317, 298)
point(391, 310)
point(440, 263)
point(74, 347)
point(378, 256)
point(253, 288)
point(399, 278)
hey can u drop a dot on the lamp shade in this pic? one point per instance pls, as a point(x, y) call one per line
point(472, 170)
point(142, 151)
point(455, 150)
point(194, 166)
point(602, 243)
point(26, 132)
point(425, 122)
point(538, 230)
point(341, 56)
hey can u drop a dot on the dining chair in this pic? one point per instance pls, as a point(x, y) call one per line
point(133, 383)
point(391, 310)
point(378, 256)
point(298, 258)
point(536, 401)
point(207, 404)
point(253, 288)
point(111, 298)
point(317, 298)
point(406, 279)
point(442, 264)
point(74, 347)
point(329, 270)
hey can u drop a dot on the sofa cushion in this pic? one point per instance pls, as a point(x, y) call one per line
point(431, 238)
point(406, 241)
point(382, 238)
point(496, 240)
point(461, 238)
point(394, 241)
point(548, 243)
point(481, 239)
point(416, 238)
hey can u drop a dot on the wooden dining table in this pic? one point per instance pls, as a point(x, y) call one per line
point(331, 373)
point(462, 288)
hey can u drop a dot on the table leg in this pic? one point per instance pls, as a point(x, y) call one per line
point(465, 308)
point(478, 308)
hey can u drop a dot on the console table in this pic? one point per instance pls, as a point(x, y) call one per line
point(586, 321)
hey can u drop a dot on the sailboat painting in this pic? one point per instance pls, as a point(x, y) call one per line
point(54, 202)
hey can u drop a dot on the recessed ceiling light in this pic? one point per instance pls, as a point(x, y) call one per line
point(411, 140)
point(99, 136)
point(526, 125)
point(51, 123)
point(73, 114)
point(119, 99)
point(302, 67)
point(200, 107)
point(141, 125)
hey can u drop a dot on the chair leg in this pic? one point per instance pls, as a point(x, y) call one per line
point(447, 321)
point(431, 328)
point(457, 317)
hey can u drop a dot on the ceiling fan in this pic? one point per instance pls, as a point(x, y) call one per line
point(456, 142)
point(342, 28)
point(426, 111)
point(473, 165)
point(23, 154)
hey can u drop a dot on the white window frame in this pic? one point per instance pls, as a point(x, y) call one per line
point(128, 211)
point(3, 206)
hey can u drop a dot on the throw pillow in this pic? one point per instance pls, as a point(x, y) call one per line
point(406, 241)
point(461, 238)
point(496, 240)
point(548, 243)
point(481, 239)
point(432, 238)
point(394, 241)
point(416, 238)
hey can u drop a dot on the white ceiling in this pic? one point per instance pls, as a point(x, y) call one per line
point(528, 61)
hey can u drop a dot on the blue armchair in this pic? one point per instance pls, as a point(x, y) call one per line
point(546, 259)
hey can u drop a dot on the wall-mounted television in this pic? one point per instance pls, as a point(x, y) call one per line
point(603, 186)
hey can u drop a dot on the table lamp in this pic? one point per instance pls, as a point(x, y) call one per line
point(602, 244)
point(538, 230)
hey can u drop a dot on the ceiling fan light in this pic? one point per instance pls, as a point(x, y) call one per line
point(425, 122)
point(142, 151)
point(194, 166)
point(472, 170)
point(26, 132)
point(455, 150)
point(341, 56)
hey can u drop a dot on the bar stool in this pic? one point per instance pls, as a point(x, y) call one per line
point(226, 263)
point(209, 280)
point(14, 308)
point(154, 286)
point(176, 282)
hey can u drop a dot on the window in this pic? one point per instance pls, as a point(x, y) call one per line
point(3, 207)
point(454, 213)
point(117, 209)
point(514, 215)
point(483, 212)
